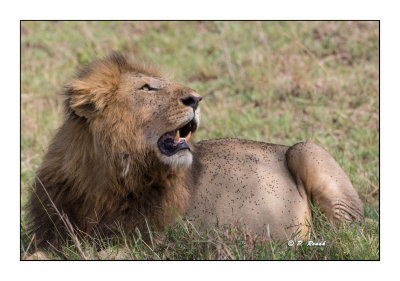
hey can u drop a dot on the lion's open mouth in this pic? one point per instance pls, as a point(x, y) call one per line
point(172, 142)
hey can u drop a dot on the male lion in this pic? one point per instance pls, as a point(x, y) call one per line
point(123, 157)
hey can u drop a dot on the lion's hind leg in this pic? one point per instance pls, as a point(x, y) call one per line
point(324, 181)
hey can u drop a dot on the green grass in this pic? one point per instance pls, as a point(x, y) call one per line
point(278, 82)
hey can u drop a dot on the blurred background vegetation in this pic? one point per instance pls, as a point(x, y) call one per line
point(277, 82)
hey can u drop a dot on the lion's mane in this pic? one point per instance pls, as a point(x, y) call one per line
point(83, 179)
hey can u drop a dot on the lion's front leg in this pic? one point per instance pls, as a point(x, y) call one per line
point(324, 181)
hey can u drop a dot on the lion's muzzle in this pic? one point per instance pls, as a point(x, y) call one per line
point(174, 141)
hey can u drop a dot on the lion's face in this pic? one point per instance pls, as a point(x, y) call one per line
point(169, 115)
point(133, 111)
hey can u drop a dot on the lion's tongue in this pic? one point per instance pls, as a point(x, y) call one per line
point(176, 137)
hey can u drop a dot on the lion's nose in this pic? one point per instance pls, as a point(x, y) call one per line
point(192, 101)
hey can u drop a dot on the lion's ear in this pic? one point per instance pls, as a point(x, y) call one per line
point(87, 98)
point(80, 102)
point(85, 109)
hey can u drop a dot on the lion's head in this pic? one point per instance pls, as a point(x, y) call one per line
point(136, 111)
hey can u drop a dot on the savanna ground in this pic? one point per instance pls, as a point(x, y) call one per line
point(277, 82)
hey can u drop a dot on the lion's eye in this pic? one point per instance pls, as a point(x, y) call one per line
point(147, 87)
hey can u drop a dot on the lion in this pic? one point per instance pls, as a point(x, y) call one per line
point(124, 158)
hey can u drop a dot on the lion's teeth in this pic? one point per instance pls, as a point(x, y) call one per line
point(188, 136)
point(177, 136)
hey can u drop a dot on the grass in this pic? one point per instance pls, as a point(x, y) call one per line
point(278, 82)
point(184, 241)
